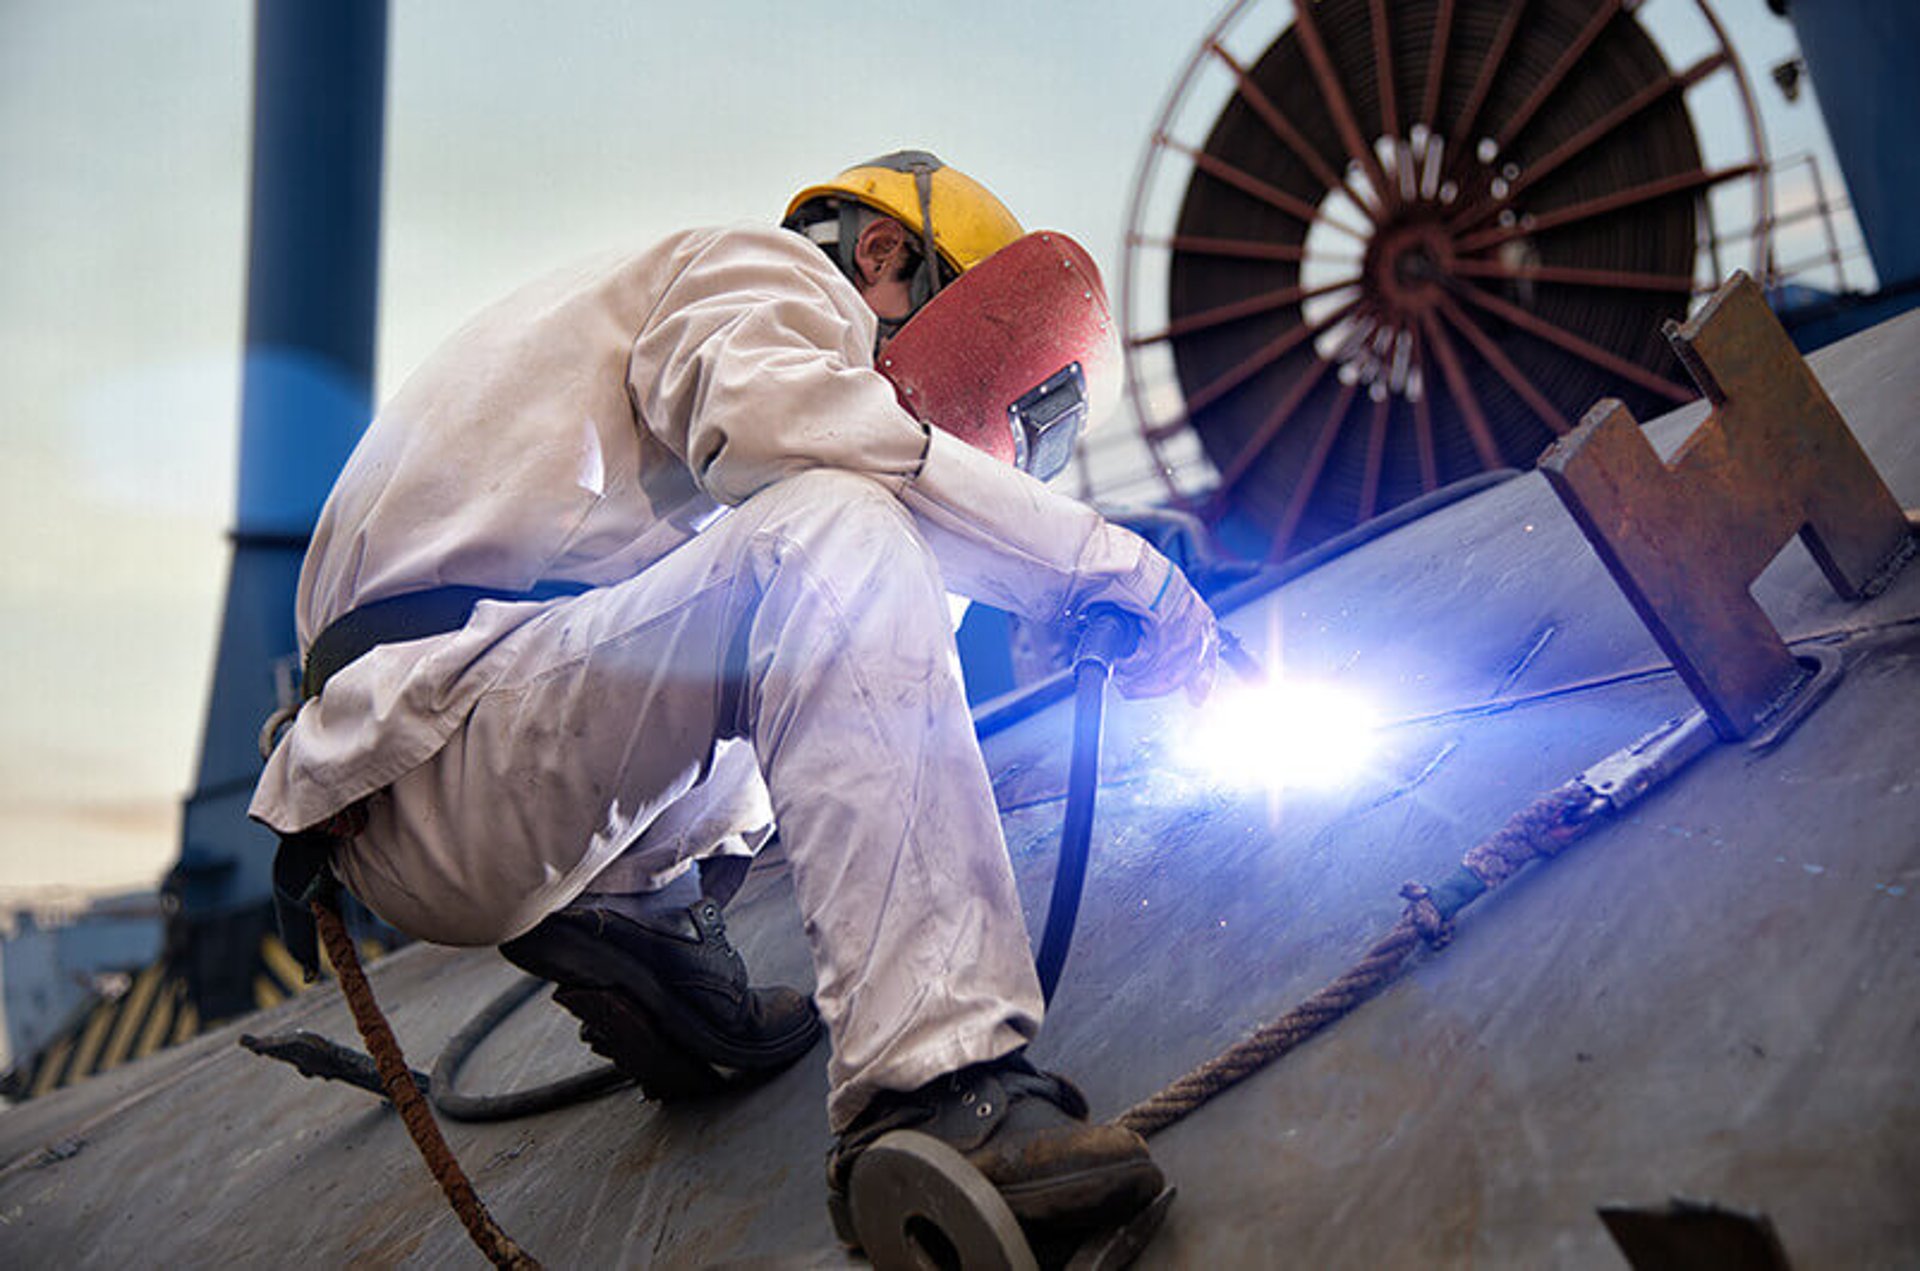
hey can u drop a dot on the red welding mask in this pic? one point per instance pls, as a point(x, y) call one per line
point(1015, 356)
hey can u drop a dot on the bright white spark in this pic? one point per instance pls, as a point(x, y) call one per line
point(1281, 735)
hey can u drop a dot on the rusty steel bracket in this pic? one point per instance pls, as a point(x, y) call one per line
point(1686, 538)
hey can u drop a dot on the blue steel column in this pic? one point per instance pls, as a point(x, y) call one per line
point(1862, 55)
point(306, 395)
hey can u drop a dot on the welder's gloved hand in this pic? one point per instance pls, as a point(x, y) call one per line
point(1179, 648)
point(1179, 640)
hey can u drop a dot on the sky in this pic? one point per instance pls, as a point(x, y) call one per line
point(518, 137)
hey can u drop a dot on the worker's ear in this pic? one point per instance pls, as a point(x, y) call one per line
point(880, 253)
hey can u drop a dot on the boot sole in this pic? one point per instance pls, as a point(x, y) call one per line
point(619, 1030)
point(581, 960)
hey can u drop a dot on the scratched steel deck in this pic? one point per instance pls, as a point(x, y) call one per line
point(1716, 997)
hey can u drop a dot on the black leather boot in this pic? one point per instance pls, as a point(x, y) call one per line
point(1027, 1133)
point(665, 996)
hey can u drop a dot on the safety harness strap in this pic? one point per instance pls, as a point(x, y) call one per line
point(411, 616)
point(301, 872)
point(926, 281)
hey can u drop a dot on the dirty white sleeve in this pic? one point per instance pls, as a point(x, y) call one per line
point(757, 364)
point(1005, 539)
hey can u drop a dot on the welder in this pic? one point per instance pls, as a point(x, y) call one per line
point(648, 560)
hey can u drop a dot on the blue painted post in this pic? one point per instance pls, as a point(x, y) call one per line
point(1861, 57)
point(306, 395)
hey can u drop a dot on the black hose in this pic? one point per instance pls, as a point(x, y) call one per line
point(1106, 636)
point(1076, 833)
point(452, 1103)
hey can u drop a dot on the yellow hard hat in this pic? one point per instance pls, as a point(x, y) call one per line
point(960, 217)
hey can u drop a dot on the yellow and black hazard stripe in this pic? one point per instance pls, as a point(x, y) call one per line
point(156, 1011)
point(153, 1013)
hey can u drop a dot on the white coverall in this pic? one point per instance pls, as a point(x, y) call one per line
point(698, 433)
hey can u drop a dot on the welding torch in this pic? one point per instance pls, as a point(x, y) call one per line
point(1242, 663)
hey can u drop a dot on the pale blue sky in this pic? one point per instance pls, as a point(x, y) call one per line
point(518, 136)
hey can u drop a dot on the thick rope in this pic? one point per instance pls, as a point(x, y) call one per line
point(1268, 1043)
point(1544, 827)
point(498, 1247)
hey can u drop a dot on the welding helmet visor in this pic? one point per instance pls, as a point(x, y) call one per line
point(1016, 357)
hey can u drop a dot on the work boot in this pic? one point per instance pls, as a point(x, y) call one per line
point(1027, 1133)
point(664, 995)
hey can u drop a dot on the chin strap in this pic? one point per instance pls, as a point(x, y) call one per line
point(884, 330)
point(926, 280)
point(928, 277)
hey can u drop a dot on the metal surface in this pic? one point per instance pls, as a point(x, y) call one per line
point(1715, 995)
point(1118, 1248)
point(1686, 538)
point(1417, 241)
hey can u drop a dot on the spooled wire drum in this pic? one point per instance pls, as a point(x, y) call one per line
point(1418, 239)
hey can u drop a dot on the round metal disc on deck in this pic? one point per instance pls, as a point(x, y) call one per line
point(919, 1206)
